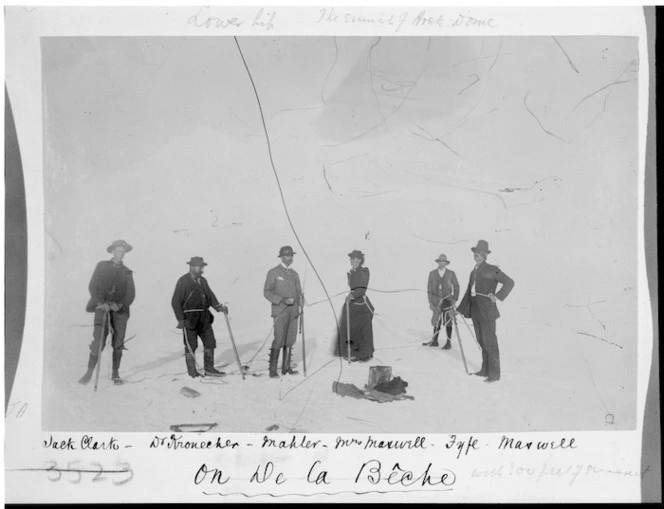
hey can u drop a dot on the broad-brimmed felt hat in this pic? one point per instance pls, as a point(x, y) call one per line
point(442, 258)
point(119, 243)
point(286, 251)
point(356, 253)
point(197, 261)
point(482, 245)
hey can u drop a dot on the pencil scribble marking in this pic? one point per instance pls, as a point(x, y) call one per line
point(615, 82)
point(500, 45)
point(439, 241)
point(557, 180)
point(431, 138)
point(54, 240)
point(525, 103)
point(327, 181)
point(565, 52)
point(477, 78)
point(597, 337)
point(329, 73)
point(389, 115)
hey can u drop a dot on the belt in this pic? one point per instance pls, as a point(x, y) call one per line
point(193, 310)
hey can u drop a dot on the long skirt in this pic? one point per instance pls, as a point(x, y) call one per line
point(361, 330)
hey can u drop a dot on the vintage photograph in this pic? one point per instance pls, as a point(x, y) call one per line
point(331, 234)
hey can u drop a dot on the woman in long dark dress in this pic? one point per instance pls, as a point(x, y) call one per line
point(361, 312)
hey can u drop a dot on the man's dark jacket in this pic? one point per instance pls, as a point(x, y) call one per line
point(487, 278)
point(111, 282)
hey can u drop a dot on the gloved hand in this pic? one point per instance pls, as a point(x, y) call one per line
point(114, 306)
point(180, 324)
point(103, 306)
point(289, 301)
point(222, 309)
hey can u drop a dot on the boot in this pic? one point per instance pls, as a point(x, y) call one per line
point(117, 357)
point(208, 363)
point(286, 367)
point(434, 341)
point(448, 345)
point(274, 359)
point(92, 364)
point(191, 365)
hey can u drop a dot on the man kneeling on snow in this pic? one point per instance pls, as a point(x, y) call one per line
point(191, 301)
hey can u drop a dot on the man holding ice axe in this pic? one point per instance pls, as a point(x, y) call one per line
point(283, 290)
point(443, 292)
point(191, 301)
point(112, 291)
point(479, 303)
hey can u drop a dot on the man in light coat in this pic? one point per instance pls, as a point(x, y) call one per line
point(283, 290)
point(479, 304)
point(443, 292)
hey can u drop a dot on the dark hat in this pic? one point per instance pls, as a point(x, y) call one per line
point(356, 253)
point(442, 258)
point(286, 251)
point(197, 261)
point(482, 245)
point(119, 243)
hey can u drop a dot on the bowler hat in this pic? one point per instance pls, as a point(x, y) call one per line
point(197, 261)
point(482, 245)
point(119, 243)
point(286, 251)
point(356, 253)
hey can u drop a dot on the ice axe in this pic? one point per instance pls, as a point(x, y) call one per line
point(105, 318)
point(304, 350)
point(348, 328)
point(456, 329)
point(237, 356)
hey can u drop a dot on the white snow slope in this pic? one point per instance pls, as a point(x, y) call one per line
point(404, 148)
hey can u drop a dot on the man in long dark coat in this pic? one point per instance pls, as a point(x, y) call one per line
point(191, 301)
point(112, 291)
point(479, 304)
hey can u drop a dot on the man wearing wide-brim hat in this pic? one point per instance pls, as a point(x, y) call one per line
point(191, 301)
point(443, 292)
point(479, 304)
point(282, 288)
point(112, 291)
